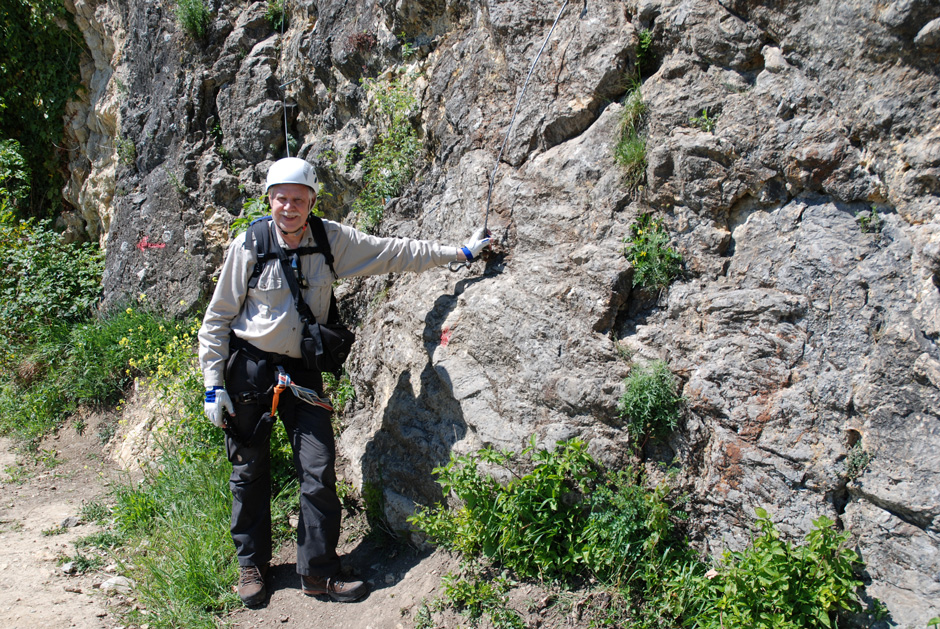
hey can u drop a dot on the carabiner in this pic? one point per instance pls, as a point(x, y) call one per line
point(456, 265)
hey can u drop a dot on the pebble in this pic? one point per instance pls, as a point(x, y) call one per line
point(118, 584)
point(70, 522)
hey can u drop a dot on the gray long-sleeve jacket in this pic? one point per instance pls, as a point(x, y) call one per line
point(266, 317)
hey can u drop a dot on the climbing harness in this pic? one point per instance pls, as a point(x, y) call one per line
point(283, 383)
point(456, 266)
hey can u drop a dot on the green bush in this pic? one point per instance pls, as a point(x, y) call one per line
point(564, 519)
point(649, 403)
point(43, 280)
point(557, 521)
point(14, 175)
point(391, 162)
point(193, 17)
point(655, 263)
point(40, 50)
point(622, 528)
point(774, 584)
point(276, 13)
point(106, 353)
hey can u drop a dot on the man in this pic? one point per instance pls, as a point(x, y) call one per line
point(248, 333)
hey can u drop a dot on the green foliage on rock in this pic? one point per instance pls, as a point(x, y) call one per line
point(390, 163)
point(39, 73)
point(649, 404)
point(655, 263)
point(193, 17)
point(774, 584)
point(630, 149)
point(276, 13)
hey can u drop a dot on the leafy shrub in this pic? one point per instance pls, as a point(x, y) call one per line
point(557, 521)
point(622, 528)
point(14, 175)
point(477, 594)
point(107, 352)
point(649, 403)
point(252, 209)
point(391, 162)
point(44, 280)
point(40, 51)
point(276, 13)
point(655, 263)
point(565, 519)
point(774, 584)
point(193, 17)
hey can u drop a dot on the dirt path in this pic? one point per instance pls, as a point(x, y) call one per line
point(40, 493)
point(37, 497)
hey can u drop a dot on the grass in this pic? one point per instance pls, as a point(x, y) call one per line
point(193, 17)
point(630, 149)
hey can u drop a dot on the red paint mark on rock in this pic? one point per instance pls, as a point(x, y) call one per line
point(445, 336)
point(146, 244)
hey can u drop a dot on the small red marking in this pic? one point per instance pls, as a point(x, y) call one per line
point(445, 336)
point(146, 244)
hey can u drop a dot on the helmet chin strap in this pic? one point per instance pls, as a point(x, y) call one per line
point(299, 230)
point(296, 231)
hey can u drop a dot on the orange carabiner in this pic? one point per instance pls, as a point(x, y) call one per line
point(277, 395)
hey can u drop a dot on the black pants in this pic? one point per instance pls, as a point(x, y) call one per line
point(250, 375)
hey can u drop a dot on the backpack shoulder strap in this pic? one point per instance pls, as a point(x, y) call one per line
point(259, 239)
point(323, 243)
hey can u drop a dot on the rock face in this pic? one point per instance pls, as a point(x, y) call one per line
point(805, 344)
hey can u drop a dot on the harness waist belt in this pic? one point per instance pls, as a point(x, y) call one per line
point(253, 352)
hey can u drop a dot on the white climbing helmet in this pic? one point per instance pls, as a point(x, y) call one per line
point(291, 170)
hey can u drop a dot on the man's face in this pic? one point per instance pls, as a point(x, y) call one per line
point(290, 205)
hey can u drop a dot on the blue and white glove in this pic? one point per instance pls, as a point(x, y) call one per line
point(216, 399)
point(475, 245)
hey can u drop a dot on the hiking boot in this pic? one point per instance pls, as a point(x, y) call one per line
point(251, 585)
point(342, 591)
